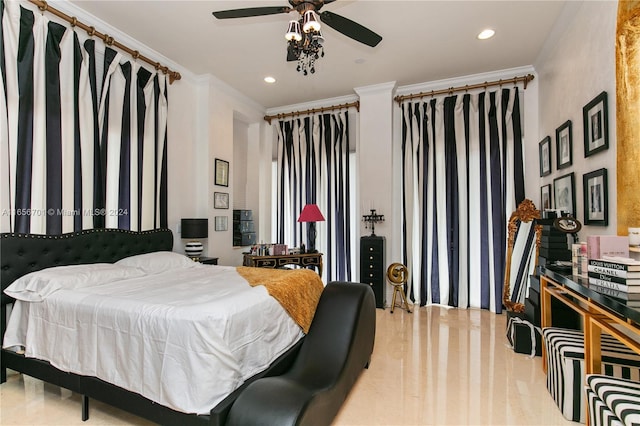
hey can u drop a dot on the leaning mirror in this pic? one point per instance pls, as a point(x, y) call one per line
point(522, 254)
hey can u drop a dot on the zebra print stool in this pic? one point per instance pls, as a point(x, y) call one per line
point(565, 367)
point(612, 401)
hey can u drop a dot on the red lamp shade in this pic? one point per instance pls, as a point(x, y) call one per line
point(311, 213)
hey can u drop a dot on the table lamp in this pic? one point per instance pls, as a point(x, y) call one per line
point(311, 213)
point(194, 230)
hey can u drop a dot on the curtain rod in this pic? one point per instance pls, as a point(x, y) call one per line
point(268, 118)
point(526, 79)
point(108, 40)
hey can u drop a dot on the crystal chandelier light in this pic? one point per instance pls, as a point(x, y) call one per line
point(305, 42)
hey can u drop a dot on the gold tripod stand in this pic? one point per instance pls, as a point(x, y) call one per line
point(398, 275)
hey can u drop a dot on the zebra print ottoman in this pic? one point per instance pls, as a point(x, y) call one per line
point(612, 401)
point(565, 367)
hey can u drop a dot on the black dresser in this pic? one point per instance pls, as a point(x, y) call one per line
point(372, 266)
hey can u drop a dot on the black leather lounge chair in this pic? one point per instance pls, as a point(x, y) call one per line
point(334, 353)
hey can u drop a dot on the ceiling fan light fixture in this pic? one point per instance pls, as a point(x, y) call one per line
point(318, 37)
point(293, 31)
point(310, 22)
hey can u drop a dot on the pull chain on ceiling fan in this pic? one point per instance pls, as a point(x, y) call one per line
point(304, 36)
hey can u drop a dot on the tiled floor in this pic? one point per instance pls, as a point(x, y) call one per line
point(437, 366)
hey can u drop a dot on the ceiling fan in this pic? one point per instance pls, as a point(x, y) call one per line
point(304, 36)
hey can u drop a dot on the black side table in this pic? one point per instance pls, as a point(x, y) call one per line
point(208, 260)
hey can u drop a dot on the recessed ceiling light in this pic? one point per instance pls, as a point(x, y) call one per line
point(485, 34)
point(269, 79)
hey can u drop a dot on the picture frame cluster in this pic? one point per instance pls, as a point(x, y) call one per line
point(561, 195)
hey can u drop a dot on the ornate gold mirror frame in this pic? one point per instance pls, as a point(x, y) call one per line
point(628, 115)
point(526, 212)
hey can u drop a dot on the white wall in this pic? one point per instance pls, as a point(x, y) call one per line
point(577, 63)
point(209, 120)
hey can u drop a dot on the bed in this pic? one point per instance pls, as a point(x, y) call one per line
point(22, 254)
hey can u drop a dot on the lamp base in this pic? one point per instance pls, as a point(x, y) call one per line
point(193, 249)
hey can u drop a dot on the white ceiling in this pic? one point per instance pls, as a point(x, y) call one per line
point(422, 41)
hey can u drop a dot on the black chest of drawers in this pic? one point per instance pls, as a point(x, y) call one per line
point(372, 266)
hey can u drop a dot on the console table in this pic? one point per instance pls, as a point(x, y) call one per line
point(599, 312)
point(276, 261)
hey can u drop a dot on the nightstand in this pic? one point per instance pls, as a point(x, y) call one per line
point(208, 260)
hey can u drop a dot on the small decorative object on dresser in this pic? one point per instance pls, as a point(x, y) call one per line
point(634, 237)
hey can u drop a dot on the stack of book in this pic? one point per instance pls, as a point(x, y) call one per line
point(553, 244)
point(617, 277)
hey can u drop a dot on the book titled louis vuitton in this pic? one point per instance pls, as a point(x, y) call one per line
point(616, 267)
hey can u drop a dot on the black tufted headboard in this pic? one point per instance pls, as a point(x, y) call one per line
point(24, 253)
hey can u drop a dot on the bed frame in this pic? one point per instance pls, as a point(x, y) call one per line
point(326, 363)
point(25, 253)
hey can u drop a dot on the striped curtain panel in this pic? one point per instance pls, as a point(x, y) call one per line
point(462, 178)
point(76, 153)
point(313, 168)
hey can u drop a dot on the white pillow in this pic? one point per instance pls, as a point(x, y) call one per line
point(36, 286)
point(157, 262)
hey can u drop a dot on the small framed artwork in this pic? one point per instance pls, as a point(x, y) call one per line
point(596, 200)
point(221, 223)
point(544, 150)
point(596, 126)
point(222, 172)
point(564, 145)
point(220, 200)
point(545, 197)
point(564, 194)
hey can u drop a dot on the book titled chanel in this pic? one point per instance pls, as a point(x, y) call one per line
point(616, 267)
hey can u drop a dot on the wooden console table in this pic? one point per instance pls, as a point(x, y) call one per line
point(599, 312)
point(277, 261)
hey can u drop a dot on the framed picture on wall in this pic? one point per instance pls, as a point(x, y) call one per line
point(544, 151)
point(221, 223)
point(596, 126)
point(596, 200)
point(220, 200)
point(222, 172)
point(564, 194)
point(545, 197)
point(564, 145)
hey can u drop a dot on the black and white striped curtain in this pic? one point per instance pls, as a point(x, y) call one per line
point(79, 150)
point(462, 178)
point(313, 168)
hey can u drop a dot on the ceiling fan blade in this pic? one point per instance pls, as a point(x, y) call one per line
point(251, 11)
point(350, 28)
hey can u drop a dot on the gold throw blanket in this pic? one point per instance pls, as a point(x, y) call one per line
point(298, 290)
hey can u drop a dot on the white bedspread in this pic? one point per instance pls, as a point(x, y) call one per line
point(184, 338)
